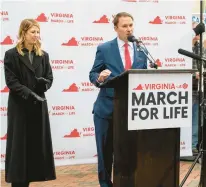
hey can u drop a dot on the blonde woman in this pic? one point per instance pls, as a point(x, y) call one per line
point(28, 74)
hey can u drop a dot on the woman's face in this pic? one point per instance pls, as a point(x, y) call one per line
point(32, 35)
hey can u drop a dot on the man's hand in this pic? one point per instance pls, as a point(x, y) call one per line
point(103, 75)
point(197, 75)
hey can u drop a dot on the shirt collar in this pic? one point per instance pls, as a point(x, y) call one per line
point(121, 43)
point(25, 50)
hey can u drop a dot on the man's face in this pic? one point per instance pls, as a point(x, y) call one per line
point(124, 28)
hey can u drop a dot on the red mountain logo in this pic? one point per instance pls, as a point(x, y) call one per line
point(42, 18)
point(158, 62)
point(95, 155)
point(6, 89)
point(103, 19)
point(157, 20)
point(73, 134)
point(72, 88)
point(7, 41)
point(139, 87)
point(71, 42)
point(3, 137)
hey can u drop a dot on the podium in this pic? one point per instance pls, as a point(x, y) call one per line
point(150, 106)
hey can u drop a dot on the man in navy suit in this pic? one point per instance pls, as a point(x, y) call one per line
point(112, 58)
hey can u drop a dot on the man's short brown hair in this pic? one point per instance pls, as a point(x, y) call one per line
point(119, 15)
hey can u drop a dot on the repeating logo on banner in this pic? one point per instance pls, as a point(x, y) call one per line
point(62, 110)
point(56, 17)
point(83, 132)
point(142, 1)
point(3, 110)
point(103, 19)
point(130, 0)
point(4, 15)
point(68, 18)
point(62, 64)
point(182, 145)
point(64, 154)
point(169, 19)
point(1, 64)
point(84, 41)
point(176, 62)
point(81, 87)
point(3, 157)
point(4, 90)
point(3, 137)
point(7, 41)
point(158, 62)
point(150, 40)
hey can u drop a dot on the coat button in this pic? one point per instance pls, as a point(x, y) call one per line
point(34, 86)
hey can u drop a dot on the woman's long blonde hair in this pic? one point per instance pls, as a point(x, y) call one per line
point(26, 24)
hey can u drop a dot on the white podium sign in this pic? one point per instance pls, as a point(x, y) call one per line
point(159, 101)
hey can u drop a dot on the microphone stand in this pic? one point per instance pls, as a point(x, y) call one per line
point(152, 62)
point(201, 118)
point(201, 154)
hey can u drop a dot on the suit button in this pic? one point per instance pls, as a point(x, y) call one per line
point(34, 86)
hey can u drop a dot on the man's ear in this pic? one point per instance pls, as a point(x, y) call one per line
point(115, 28)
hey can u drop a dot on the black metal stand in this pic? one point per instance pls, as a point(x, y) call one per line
point(201, 118)
point(190, 170)
point(202, 147)
point(202, 182)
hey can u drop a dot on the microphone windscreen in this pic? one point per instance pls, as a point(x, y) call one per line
point(189, 54)
point(131, 38)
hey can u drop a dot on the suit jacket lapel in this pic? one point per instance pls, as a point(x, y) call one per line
point(116, 54)
point(135, 55)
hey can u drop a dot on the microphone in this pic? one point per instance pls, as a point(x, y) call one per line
point(132, 38)
point(190, 54)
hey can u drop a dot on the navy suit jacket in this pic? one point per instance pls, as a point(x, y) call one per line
point(108, 57)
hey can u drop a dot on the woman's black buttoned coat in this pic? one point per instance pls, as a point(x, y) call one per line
point(29, 152)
